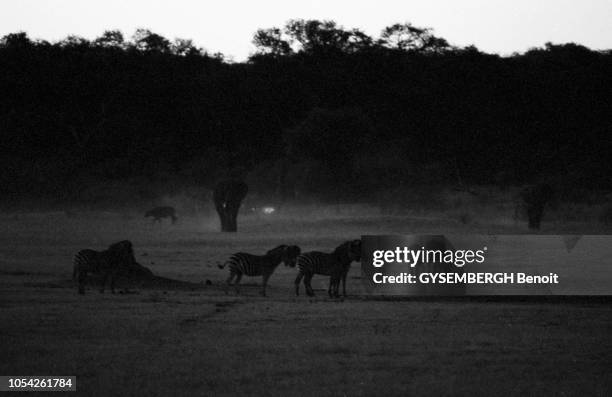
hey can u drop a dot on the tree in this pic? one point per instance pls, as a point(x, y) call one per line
point(271, 41)
point(73, 41)
point(16, 40)
point(315, 36)
point(110, 38)
point(145, 40)
point(330, 141)
point(228, 196)
point(358, 41)
point(310, 36)
point(406, 37)
point(185, 47)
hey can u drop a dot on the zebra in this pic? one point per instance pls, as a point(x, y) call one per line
point(107, 263)
point(259, 265)
point(354, 250)
point(335, 264)
point(158, 213)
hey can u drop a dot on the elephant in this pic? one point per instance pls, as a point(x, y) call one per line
point(228, 196)
point(535, 198)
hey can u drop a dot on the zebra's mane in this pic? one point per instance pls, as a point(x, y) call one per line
point(123, 248)
point(277, 251)
point(344, 249)
point(293, 250)
point(121, 245)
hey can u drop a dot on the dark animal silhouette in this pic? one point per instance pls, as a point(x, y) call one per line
point(106, 263)
point(260, 265)
point(228, 196)
point(341, 272)
point(335, 264)
point(535, 198)
point(158, 213)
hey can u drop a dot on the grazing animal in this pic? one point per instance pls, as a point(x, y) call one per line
point(106, 263)
point(335, 264)
point(259, 265)
point(158, 213)
point(354, 250)
point(228, 196)
point(535, 198)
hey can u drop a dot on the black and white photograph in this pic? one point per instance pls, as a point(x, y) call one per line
point(313, 198)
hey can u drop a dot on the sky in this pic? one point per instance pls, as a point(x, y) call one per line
point(227, 26)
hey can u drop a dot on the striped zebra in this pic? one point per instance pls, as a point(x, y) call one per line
point(107, 263)
point(259, 265)
point(335, 264)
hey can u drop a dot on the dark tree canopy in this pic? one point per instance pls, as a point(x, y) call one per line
point(110, 38)
point(314, 95)
point(406, 37)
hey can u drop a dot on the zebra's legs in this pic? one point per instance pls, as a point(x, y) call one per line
point(265, 283)
point(82, 276)
point(229, 282)
point(331, 286)
point(104, 278)
point(113, 275)
point(238, 277)
point(309, 290)
point(298, 279)
point(334, 286)
point(344, 283)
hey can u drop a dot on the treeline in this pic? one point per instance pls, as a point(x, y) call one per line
point(316, 106)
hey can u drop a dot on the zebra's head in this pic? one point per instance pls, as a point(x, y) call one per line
point(291, 254)
point(124, 250)
point(278, 253)
point(286, 254)
point(349, 251)
point(355, 250)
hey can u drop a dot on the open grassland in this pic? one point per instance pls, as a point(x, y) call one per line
point(196, 340)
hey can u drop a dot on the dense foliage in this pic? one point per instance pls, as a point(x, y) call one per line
point(315, 103)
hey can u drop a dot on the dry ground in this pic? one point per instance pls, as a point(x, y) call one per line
point(199, 341)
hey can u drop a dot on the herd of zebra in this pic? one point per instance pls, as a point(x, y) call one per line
point(335, 265)
point(107, 263)
point(119, 257)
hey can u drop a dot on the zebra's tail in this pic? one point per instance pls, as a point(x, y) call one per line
point(222, 266)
